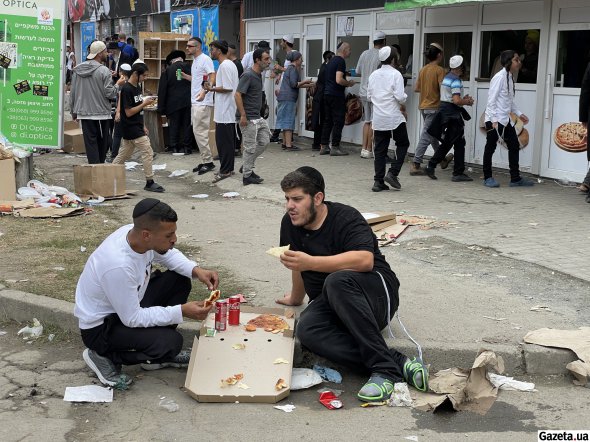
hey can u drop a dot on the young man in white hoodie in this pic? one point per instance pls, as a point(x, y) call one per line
point(499, 124)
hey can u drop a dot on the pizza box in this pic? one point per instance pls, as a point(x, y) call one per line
point(378, 217)
point(214, 358)
point(382, 225)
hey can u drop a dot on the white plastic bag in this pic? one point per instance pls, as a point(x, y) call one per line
point(31, 332)
point(302, 378)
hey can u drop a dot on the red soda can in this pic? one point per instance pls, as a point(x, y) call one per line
point(221, 315)
point(234, 310)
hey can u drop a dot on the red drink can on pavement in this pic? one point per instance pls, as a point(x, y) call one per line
point(221, 315)
point(234, 310)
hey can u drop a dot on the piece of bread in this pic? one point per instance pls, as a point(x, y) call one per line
point(278, 251)
point(214, 296)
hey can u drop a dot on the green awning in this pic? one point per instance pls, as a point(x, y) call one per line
point(395, 5)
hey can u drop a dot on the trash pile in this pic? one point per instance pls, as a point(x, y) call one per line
point(38, 200)
point(13, 150)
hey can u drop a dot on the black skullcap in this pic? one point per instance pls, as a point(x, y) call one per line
point(263, 44)
point(113, 45)
point(314, 176)
point(144, 206)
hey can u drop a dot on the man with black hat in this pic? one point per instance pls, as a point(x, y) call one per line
point(127, 314)
point(174, 101)
point(334, 258)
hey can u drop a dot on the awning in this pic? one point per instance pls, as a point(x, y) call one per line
point(395, 5)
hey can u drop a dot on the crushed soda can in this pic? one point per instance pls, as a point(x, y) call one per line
point(330, 400)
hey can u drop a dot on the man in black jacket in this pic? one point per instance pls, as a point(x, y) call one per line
point(174, 101)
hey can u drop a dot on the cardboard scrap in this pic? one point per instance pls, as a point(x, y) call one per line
point(576, 340)
point(462, 390)
point(49, 212)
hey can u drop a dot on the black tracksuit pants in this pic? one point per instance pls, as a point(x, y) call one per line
point(334, 112)
point(344, 323)
point(225, 138)
point(96, 135)
point(130, 346)
point(402, 143)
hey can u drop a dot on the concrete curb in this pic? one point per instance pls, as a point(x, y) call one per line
point(518, 359)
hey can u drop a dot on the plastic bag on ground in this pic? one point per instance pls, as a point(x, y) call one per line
point(302, 378)
point(31, 332)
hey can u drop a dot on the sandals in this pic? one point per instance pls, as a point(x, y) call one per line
point(154, 187)
point(416, 374)
point(221, 176)
point(377, 389)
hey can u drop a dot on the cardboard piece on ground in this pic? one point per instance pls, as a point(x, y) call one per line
point(576, 340)
point(414, 220)
point(382, 225)
point(214, 358)
point(378, 217)
point(105, 180)
point(462, 390)
point(17, 205)
point(7, 179)
point(48, 212)
point(392, 231)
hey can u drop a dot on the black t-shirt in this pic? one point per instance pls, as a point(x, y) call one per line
point(336, 64)
point(239, 66)
point(343, 230)
point(131, 127)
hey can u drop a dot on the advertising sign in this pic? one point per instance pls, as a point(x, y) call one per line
point(185, 22)
point(31, 70)
point(87, 35)
point(209, 26)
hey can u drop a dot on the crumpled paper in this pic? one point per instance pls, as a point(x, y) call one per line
point(462, 390)
point(401, 396)
point(302, 378)
point(509, 383)
point(31, 332)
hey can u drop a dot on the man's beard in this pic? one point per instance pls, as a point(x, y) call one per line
point(312, 215)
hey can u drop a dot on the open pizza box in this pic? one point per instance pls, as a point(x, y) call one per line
point(379, 220)
point(214, 358)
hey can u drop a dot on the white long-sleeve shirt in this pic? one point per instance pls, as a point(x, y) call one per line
point(501, 99)
point(115, 278)
point(248, 60)
point(386, 92)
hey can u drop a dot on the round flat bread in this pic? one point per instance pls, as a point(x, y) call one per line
point(523, 138)
point(571, 137)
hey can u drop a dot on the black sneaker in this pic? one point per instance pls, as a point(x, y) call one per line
point(108, 373)
point(430, 172)
point(461, 178)
point(181, 360)
point(207, 167)
point(446, 160)
point(337, 152)
point(254, 174)
point(154, 187)
point(325, 151)
point(251, 180)
point(378, 187)
point(198, 168)
point(392, 181)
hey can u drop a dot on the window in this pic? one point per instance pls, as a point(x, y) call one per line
point(406, 45)
point(455, 43)
point(279, 54)
point(314, 59)
point(573, 55)
point(525, 42)
point(357, 46)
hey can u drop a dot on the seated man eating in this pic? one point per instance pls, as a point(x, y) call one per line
point(127, 314)
point(335, 259)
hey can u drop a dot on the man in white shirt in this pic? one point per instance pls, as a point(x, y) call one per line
point(367, 64)
point(498, 123)
point(247, 59)
point(202, 72)
point(127, 314)
point(224, 114)
point(386, 92)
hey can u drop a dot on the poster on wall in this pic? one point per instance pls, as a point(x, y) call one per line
point(31, 62)
point(209, 26)
point(96, 10)
point(185, 22)
point(87, 36)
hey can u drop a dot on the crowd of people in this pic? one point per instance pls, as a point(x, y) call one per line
point(233, 96)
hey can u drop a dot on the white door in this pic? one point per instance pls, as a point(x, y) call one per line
point(569, 42)
point(314, 43)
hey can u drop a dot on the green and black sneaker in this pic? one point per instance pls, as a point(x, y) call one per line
point(377, 389)
point(416, 374)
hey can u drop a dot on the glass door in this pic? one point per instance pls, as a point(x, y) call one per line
point(314, 45)
point(564, 156)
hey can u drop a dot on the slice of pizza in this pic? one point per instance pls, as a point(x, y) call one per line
point(278, 251)
point(281, 385)
point(214, 296)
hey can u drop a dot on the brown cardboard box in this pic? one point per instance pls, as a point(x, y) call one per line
point(73, 138)
point(7, 180)
point(214, 358)
point(105, 180)
point(379, 217)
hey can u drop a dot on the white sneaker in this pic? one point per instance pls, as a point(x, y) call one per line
point(366, 153)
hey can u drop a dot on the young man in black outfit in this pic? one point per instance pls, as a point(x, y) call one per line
point(335, 259)
point(335, 102)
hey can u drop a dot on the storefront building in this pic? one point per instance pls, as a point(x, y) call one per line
point(552, 36)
